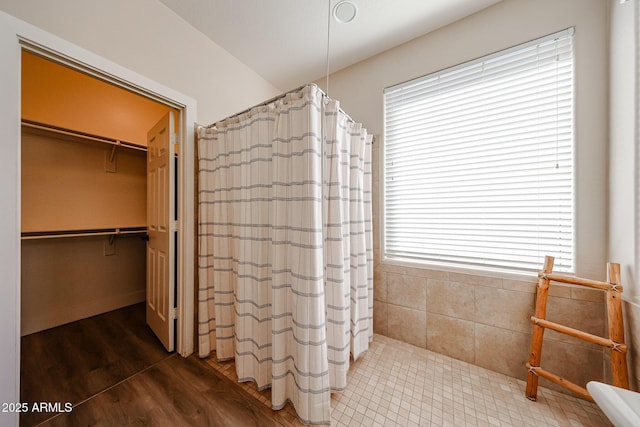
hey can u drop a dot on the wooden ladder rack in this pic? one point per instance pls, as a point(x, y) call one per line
point(615, 342)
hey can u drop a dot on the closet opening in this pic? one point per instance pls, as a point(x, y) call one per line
point(99, 205)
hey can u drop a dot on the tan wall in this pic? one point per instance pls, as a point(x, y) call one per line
point(67, 279)
point(484, 320)
point(56, 95)
point(65, 185)
point(624, 185)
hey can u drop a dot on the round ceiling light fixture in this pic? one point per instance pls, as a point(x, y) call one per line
point(345, 11)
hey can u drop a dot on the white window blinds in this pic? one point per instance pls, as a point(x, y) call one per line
point(478, 161)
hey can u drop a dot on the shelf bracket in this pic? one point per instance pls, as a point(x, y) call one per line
point(110, 245)
point(110, 161)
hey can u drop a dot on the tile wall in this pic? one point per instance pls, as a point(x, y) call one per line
point(485, 320)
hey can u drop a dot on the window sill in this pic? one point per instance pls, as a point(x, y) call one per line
point(460, 269)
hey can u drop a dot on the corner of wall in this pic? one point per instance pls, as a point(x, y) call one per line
point(632, 329)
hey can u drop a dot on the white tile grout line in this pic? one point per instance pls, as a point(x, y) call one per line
point(401, 383)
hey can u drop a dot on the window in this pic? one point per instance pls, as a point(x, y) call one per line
point(478, 161)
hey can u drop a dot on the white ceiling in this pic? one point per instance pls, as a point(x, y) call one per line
point(285, 41)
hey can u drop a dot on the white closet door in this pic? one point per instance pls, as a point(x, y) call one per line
point(161, 228)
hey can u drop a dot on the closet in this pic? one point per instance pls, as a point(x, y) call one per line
point(84, 194)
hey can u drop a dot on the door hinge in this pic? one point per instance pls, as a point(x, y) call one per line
point(173, 313)
point(174, 225)
point(175, 142)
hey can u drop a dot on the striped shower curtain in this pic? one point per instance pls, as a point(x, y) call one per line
point(285, 248)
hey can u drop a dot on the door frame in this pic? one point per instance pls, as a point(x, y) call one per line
point(16, 36)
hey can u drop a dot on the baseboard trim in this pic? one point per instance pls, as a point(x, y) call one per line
point(60, 316)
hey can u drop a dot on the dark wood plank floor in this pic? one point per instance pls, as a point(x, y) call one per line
point(115, 373)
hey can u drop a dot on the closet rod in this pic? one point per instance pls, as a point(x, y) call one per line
point(277, 97)
point(83, 233)
point(61, 131)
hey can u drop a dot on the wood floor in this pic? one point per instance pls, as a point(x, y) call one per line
point(115, 372)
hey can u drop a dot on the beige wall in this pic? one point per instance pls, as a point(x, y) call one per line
point(147, 37)
point(623, 117)
point(68, 279)
point(485, 321)
point(65, 185)
point(55, 94)
point(477, 316)
point(624, 184)
point(508, 23)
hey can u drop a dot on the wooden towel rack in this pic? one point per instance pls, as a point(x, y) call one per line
point(615, 342)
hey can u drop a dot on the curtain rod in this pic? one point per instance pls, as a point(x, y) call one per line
point(277, 97)
point(81, 135)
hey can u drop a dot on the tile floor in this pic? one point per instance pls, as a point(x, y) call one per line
point(397, 384)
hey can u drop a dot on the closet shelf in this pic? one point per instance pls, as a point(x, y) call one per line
point(83, 233)
point(61, 131)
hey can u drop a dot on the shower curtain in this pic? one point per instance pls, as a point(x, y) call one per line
point(285, 247)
